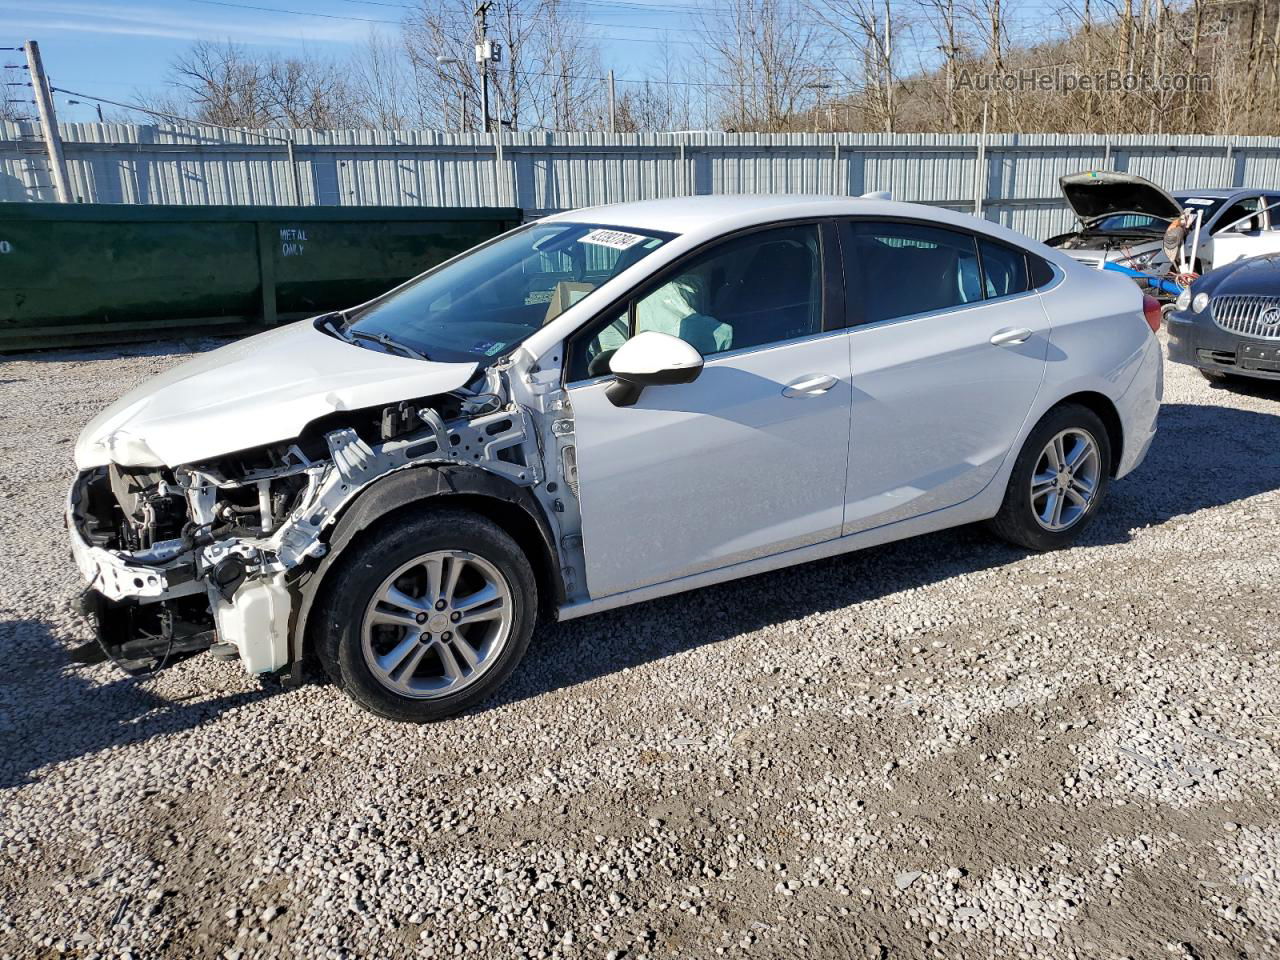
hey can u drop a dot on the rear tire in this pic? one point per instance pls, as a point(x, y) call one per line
point(427, 615)
point(1058, 481)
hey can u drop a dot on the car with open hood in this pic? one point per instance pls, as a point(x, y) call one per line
point(596, 409)
point(1123, 218)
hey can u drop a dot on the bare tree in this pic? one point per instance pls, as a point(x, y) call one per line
point(550, 75)
point(224, 83)
point(16, 99)
point(942, 14)
point(383, 78)
point(866, 29)
point(765, 55)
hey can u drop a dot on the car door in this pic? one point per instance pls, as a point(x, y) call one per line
point(947, 352)
point(1263, 238)
point(749, 459)
point(1244, 230)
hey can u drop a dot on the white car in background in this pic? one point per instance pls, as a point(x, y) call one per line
point(597, 409)
point(1123, 219)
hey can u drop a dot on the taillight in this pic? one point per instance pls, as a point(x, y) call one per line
point(1151, 310)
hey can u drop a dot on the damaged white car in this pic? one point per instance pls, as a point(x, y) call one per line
point(1123, 219)
point(596, 409)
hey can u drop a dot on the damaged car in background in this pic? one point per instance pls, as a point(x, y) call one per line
point(597, 409)
point(1123, 218)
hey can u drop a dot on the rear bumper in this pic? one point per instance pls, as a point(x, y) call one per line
point(1203, 344)
point(1139, 408)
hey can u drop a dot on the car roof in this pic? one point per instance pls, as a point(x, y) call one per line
point(1220, 194)
point(715, 214)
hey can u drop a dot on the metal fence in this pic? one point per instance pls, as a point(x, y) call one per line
point(1009, 178)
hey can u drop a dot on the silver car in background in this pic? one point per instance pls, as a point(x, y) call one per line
point(1123, 219)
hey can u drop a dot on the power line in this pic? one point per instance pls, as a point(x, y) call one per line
point(397, 23)
point(521, 73)
point(620, 7)
point(303, 13)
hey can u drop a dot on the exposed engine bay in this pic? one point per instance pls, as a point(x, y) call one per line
point(212, 554)
point(1085, 240)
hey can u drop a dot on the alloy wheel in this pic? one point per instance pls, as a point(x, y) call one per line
point(437, 624)
point(1065, 480)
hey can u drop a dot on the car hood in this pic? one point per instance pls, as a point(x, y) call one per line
point(263, 389)
point(1255, 276)
point(1100, 193)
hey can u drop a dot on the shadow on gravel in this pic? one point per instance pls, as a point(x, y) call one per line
point(1202, 457)
point(52, 710)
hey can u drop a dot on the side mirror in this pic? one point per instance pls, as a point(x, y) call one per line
point(650, 359)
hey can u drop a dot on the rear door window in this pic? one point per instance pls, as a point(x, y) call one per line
point(904, 269)
point(1230, 220)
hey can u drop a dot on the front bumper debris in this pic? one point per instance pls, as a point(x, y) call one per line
point(143, 638)
point(119, 579)
point(150, 616)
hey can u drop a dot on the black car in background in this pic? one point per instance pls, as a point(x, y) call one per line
point(1228, 322)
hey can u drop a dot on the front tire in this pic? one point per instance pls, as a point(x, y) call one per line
point(427, 615)
point(1058, 481)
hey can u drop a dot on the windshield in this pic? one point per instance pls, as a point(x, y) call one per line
point(484, 304)
point(1207, 206)
point(1129, 223)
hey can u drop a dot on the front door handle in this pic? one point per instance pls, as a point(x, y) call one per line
point(810, 385)
point(1010, 336)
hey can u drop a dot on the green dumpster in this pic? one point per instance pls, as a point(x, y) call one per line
point(78, 274)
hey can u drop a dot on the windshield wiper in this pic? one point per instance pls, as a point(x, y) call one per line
point(386, 340)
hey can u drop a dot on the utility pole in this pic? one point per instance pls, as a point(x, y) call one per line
point(612, 110)
point(482, 39)
point(48, 122)
point(888, 68)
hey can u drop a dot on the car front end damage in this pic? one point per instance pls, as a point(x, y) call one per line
point(214, 554)
point(1138, 251)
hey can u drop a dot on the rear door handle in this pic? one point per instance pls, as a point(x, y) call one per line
point(1010, 336)
point(810, 385)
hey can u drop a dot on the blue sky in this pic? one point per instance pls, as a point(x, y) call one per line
point(113, 48)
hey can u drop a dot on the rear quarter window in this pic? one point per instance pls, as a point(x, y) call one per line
point(1004, 269)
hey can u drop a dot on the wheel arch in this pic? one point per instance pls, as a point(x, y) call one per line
point(1105, 408)
point(510, 506)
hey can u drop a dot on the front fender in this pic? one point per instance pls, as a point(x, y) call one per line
point(417, 486)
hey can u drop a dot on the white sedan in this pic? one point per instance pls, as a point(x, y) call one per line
point(596, 409)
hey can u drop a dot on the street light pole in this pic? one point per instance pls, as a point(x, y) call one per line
point(462, 116)
point(497, 130)
point(818, 109)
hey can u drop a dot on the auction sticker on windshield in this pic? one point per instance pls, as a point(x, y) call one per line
point(612, 238)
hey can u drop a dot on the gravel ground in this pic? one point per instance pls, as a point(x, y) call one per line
point(943, 747)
